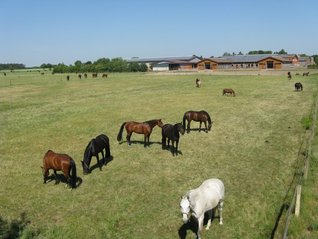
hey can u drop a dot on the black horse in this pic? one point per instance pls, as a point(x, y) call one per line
point(199, 116)
point(298, 86)
point(94, 147)
point(171, 132)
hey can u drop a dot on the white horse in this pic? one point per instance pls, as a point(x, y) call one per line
point(209, 195)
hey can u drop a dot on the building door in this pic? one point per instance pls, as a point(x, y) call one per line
point(207, 66)
point(270, 64)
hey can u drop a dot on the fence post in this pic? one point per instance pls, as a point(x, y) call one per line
point(298, 194)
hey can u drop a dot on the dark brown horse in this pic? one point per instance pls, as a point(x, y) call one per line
point(59, 162)
point(298, 86)
point(171, 132)
point(199, 116)
point(228, 92)
point(289, 75)
point(94, 147)
point(104, 76)
point(144, 128)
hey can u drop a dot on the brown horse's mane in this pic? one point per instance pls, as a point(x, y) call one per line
point(152, 123)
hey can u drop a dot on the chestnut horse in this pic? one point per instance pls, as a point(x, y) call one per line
point(144, 128)
point(199, 116)
point(228, 92)
point(59, 162)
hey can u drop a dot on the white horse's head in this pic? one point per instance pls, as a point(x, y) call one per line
point(185, 208)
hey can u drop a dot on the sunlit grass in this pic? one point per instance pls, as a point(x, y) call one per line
point(252, 147)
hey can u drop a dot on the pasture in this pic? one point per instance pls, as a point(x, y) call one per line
point(252, 147)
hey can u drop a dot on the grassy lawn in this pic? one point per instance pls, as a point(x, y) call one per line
point(252, 147)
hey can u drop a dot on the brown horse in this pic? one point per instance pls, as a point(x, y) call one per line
point(104, 76)
point(59, 162)
point(199, 116)
point(144, 128)
point(228, 92)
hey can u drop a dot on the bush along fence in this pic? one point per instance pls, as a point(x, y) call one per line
point(291, 202)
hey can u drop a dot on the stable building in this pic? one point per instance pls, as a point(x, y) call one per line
point(241, 62)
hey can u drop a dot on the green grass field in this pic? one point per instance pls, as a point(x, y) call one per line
point(252, 147)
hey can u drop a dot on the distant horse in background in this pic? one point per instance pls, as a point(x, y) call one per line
point(229, 92)
point(298, 86)
point(306, 73)
point(59, 162)
point(144, 128)
point(85, 75)
point(289, 75)
point(68, 77)
point(198, 82)
point(171, 132)
point(5, 74)
point(94, 147)
point(104, 76)
point(199, 116)
point(205, 198)
point(80, 76)
point(94, 75)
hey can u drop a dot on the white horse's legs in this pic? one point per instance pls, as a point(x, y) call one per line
point(200, 225)
point(210, 212)
point(220, 208)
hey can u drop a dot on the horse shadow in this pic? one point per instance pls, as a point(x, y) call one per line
point(192, 224)
point(171, 149)
point(198, 130)
point(139, 142)
point(59, 177)
point(102, 162)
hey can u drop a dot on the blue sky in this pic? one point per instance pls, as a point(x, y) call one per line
point(43, 31)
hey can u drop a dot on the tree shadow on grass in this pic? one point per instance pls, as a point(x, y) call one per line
point(16, 228)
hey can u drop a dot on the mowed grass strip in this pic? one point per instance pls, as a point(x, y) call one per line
point(252, 147)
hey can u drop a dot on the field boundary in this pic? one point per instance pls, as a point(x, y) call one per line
point(300, 175)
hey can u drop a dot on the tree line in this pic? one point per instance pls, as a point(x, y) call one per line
point(101, 65)
point(11, 66)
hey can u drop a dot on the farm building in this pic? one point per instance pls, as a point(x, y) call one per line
point(169, 63)
point(241, 62)
point(257, 61)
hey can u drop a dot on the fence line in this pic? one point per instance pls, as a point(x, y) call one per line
point(303, 176)
point(300, 175)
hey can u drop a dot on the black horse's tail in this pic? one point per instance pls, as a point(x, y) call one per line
point(73, 174)
point(184, 120)
point(107, 147)
point(120, 133)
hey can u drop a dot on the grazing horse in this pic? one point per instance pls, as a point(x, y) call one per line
point(306, 73)
point(205, 198)
point(228, 92)
point(59, 162)
point(199, 116)
point(94, 147)
point(85, 75)
point(171, 132)
point(289, 75)
point(144, 128)
point(104, 76)
point(298, 86)
point(198, 83)
point(80, 76)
